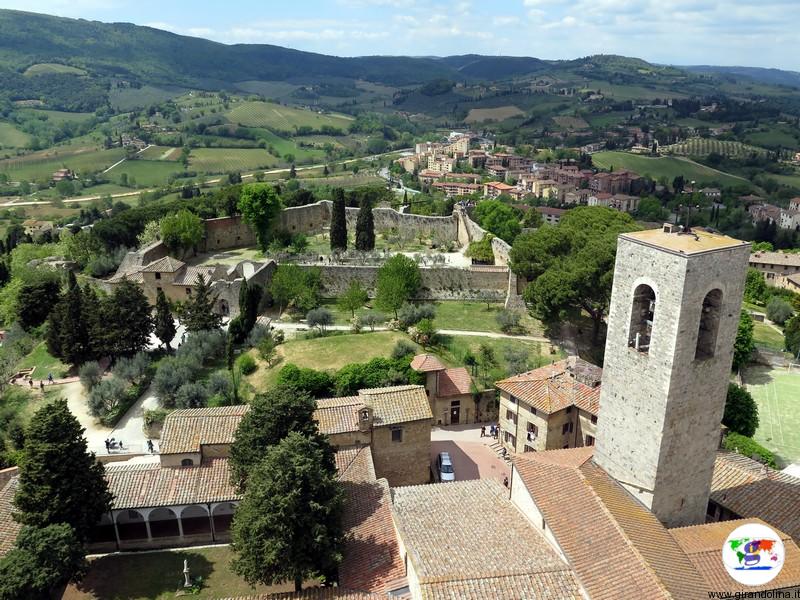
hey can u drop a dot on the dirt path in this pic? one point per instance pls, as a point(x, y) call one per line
point(95, 433)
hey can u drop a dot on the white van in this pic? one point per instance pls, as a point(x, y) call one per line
point(444, 468)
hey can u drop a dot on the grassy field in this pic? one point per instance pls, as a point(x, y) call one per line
point(571, 122)
point(501, 113)
point(474, 316)
point(159, 576)
point(777, 393)
point(11, 137)
point(223, 160)
point(42, 165)
point(767, 337)
point(60, 116)
point(283, 118)
point(48, 68)
point(328, 353)
point(703, 147)
point(667, 166)
point(146, 172)
point(43, 363)
point(160, 153)
point(772, 137)
point(453, 347)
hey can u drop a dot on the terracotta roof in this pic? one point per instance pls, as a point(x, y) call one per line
point(371, 556)
point(638, 560)
point(750, 489)
point(189, 275)
point(454, 382)
point(332, 593)
point(467, 540)
point(568, 382)
point(785, 259)
point(163, 265)
point(144, 485)
point(397, 404)
point(187, 430)
point(702, 544)
point(338, 415)
point(427, 362)
point(9, 528)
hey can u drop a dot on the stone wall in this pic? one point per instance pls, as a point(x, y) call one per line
point(316, 218)
point(226, 232)
point(406, 462)
point(438, 283)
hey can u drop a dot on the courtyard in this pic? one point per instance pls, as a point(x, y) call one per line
point(473, 456)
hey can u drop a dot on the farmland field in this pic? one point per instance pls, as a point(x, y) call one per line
point(223, 160)
point(60, 116)
point(703, 147)
point(267, 89)
point(47, 68)
point(501, 113)
point(42, 165)
point(129, 98)
point(667, 166)
point(282, 118)
point(773, 137)
point(11, 137)
point(160, 153)
point(571, 122)
point(146, 172)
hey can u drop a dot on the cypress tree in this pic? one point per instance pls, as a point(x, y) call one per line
point(164, 325)
point(338, 222)
point(198, 310)
point(365, 226)
point(73, 333)
point(90, 316)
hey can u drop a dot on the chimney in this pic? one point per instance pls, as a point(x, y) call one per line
point(364, 418)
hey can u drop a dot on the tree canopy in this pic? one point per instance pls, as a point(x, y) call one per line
point(182, 231)
point(741, 411)
point(338, 221)
point(744, 345)
point(571, 265)
point(365, 226)
point(296, 287)
point(398, 281)
point(354, 297)
point(164, 323)
point(197, 312)
point(288, 525)
point(259, 204)
point(499, 218)
point(59, 480)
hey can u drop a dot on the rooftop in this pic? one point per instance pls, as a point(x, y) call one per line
point(569, 382)
point(470, 561)
point(639, 558)
point(454, 382)
point(786, 259)
point(189, 429)
point(750, 489)
point(427, 362)
point(9, 528)
point(696, 242)
point(163, 265)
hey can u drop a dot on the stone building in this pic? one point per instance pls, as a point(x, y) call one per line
point(551, 407)
point(671, 326)
point(450, 393)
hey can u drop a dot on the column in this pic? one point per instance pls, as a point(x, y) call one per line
point(116, 531)
point(211, 523)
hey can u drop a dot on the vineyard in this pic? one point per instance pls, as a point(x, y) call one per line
point(224, 160)
point(704, 147)
point(283, 118)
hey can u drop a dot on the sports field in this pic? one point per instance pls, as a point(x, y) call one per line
point(777, 393)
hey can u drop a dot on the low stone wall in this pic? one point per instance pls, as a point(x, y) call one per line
point(439, 283)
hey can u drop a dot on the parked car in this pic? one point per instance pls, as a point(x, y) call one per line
point(444, 468)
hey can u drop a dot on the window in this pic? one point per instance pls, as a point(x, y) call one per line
point(455, 403)
point(510, 439)
point(567, 428)
point(642, 311)
point(187, 462)
point(589, 440)
point(594, 419)
point(532, 428)
point(709, 325)
point(188, 291)
point(511, 416)
point(569, 409)
point(158, 275)
point(397, 434)
point(513, 399)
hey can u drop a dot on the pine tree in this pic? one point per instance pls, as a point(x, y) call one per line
point(338, 222)
point(164, 323)
point(91, 317)
point(365, 226)
point(197, 313)
point(126, 320)
point(59, 481)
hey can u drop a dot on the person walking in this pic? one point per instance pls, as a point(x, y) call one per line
point(50, 378)
point(108, 446)
point(483, 430)
point(41, 384)
point(150, 446)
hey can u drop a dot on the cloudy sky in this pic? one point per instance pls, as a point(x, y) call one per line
point(735, 32)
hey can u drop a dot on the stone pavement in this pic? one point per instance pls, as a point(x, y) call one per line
point(473, 457)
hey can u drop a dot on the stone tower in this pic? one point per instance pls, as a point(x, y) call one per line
point(673, 319)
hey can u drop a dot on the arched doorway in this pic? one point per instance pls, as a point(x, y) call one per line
point(163, 523)
point(131, 525)
point(103, 531)
point(194, 520)
point(222, 514)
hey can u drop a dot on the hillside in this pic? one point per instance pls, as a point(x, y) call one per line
point(768, 76)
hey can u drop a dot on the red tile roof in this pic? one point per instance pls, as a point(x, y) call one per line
point(454, 382)
point(9, 528)
point(427, 362)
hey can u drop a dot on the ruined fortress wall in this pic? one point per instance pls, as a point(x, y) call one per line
point(439, 283)
point(227, 232)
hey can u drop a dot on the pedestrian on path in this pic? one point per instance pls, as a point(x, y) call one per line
point(483, 430)
point(108, 446)
point(505, 481)
point(150, 446)
point(50, 378)
point(30, 382)
point(41, 384)
point(120, 444)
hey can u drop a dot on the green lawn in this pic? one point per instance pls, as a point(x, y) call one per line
point(43, 363)
point(667, 166)
point(159, 575)
point(777, 393)
point(474, 316)
point(11, 137)
point(146, 172)
point(767, 337)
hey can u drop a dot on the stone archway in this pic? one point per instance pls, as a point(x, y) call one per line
point(163, 523)
point(194, 520)
point(222, 514)
point(131, 525)
point(103, 531)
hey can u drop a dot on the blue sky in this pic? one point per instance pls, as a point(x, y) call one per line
point(735, 32)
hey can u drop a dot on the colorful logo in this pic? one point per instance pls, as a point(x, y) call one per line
point(753, 554)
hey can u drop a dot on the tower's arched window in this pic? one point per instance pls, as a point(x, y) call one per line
point(642, 311)
point(709, 325)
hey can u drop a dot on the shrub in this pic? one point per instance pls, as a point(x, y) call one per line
point(517, 360)
point(411, 314)
point(267, 350)
point(741, 411)
point(378, 372)
point(749, 447)
point(237, 330)
point(90, 374)
point(481, 251)
point(779, 310)
point(171, 374)
point(257, 334)
point(191, 395)
point(219, 384)
point(205, 346)
point(247, 364)
point(373, 319)
point(320, 318)
point(155, 416)
point(509, 321)
point(318, 384)
point(423, 333)
point(106, 396)
point(278, 336)
point(403, 348)
point(132, 369)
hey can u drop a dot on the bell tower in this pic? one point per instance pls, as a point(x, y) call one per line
point(672, 323)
